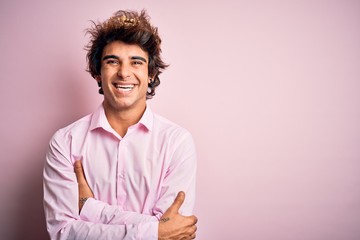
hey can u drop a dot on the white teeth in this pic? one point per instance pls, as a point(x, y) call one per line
point(124, 87)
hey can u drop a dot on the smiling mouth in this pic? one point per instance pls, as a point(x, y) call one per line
point(124, 87)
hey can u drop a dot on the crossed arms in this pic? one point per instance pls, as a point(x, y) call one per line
point(64, 187)
point(172, 225)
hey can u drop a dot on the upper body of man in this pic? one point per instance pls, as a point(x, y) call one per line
point(132, 166)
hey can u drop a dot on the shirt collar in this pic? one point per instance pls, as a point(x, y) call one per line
point(99, 120)
point(147, 119)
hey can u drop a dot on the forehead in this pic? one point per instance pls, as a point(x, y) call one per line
point(123, 50)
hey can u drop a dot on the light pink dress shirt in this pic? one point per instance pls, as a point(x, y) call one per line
point(134, 179)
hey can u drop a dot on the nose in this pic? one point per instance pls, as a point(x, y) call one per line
point(124, 71)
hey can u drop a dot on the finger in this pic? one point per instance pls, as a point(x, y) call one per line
point(192, 229)
point(192, 236)
point(179, 200)
point(79, 172)
point(193, 220)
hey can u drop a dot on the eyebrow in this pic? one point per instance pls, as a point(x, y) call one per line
point(110, 56)
point(118, 58)
point(138, 58)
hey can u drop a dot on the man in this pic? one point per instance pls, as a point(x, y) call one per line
point(122, 172)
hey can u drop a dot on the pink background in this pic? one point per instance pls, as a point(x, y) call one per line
point(269, 89)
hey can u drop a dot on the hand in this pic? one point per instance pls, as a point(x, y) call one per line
point(173, 226)
point(84, 189)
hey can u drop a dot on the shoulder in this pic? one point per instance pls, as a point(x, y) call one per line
point(79, 127)
point(177, 140)
point(163, 124)
point(60, 144)
point(170, 130)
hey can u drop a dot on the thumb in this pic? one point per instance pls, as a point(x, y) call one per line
point(79, 172)
point(179, 200)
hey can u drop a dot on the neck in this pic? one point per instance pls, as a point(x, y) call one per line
point(121, 120)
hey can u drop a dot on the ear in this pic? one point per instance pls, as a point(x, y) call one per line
point(151, 78)
point(154, 74)
point(98, 80)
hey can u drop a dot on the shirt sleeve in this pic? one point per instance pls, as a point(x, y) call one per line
point(180, 176)
point(97, 211)
point(61, 204)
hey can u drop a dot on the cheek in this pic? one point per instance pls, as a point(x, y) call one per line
point(143, 76)
point(106, 75)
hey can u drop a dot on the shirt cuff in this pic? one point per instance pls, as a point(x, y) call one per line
point(91, 210)
point(148, 230)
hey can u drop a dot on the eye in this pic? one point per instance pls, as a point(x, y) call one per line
point(138, 63)
point(112, 62)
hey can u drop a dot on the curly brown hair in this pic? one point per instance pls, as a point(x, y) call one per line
point(132, 28)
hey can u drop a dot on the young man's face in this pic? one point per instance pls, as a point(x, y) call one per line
point(124, 76)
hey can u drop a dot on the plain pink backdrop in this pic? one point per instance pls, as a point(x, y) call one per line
point(269, 89)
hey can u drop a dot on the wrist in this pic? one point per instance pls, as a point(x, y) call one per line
point(82, 201)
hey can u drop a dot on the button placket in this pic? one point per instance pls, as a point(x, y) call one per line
point(121, 190)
